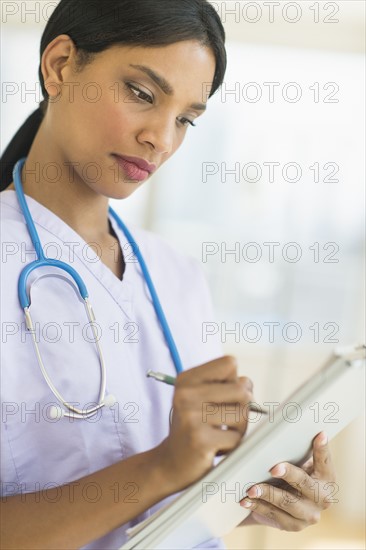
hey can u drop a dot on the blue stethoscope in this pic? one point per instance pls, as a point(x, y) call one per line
point(24, 299)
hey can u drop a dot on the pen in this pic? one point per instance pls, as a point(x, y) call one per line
point(161, 377)
point(171, 381)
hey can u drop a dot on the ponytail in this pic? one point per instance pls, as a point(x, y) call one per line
point(20, 145)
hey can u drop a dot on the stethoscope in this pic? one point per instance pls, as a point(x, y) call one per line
point(24, 299)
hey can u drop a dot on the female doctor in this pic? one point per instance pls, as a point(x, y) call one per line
point(87, 447)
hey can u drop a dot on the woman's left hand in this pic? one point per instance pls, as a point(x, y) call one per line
point(300, 494)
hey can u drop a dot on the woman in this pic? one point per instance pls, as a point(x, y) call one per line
point(122, 81)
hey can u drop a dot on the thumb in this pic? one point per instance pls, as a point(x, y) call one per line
point(323, 465)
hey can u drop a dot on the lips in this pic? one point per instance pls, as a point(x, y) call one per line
point(135, 168)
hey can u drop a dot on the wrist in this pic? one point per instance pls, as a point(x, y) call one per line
point(165, 478)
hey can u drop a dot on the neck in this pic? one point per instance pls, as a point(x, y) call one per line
point(84, 210)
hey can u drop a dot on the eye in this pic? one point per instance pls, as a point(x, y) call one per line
point(186, 121)
point(139, 93)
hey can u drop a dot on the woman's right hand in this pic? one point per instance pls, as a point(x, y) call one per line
point(206, 398)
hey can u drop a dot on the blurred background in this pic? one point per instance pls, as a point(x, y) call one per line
point(267, 193)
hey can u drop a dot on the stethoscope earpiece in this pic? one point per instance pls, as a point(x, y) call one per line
point(110, 400)
point(56, 412)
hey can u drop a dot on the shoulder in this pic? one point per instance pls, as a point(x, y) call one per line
point(14, 237)
point(178, 277)
point(185, 295)
point(14, 245)
point(12, 229)
point(11, 220)
point(165, 260)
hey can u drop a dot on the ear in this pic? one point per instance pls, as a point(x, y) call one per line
point(57, 62)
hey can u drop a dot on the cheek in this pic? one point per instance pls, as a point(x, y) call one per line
point(114, 121)
point(94, 127)
point(180, 138)
point(116, 125)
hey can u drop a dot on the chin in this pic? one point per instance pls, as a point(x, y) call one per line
point(122, 191)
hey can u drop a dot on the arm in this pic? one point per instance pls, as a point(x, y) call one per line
point(65, 519)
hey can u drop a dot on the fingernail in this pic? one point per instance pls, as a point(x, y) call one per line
point(278, 471)
point(255, 492)
point(322, 439)
point(246, 503)
point(249, 384)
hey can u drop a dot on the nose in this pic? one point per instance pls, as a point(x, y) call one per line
point(159, 134)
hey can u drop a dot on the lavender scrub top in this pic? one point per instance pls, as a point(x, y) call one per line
point(38, 452)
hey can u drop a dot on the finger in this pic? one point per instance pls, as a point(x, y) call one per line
point(229, 392)
point(247, 382)
point(313, 489)
point(223, 369)
point(223, 440)
point(188, 412)
point(268, 514)
point(232, 412)
point(209, 397)
point(323, 467)
point(308, 466)
point(291, 503)
point(222, 420)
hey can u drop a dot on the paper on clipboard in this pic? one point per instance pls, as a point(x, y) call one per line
point(209, 508)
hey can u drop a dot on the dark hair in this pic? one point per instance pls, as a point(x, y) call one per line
point(99, 25)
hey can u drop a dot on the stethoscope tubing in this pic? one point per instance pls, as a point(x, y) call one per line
point(156, 302)
point(44, 261)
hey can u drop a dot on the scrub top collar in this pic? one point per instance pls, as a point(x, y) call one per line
point(121, 291)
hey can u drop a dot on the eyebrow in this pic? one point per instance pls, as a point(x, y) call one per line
point(164, 84)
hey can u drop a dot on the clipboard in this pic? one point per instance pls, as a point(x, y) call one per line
point(209, 508)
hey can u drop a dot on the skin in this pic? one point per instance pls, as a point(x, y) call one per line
point(301, 495)
point(153, 130)
point(127, 125)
